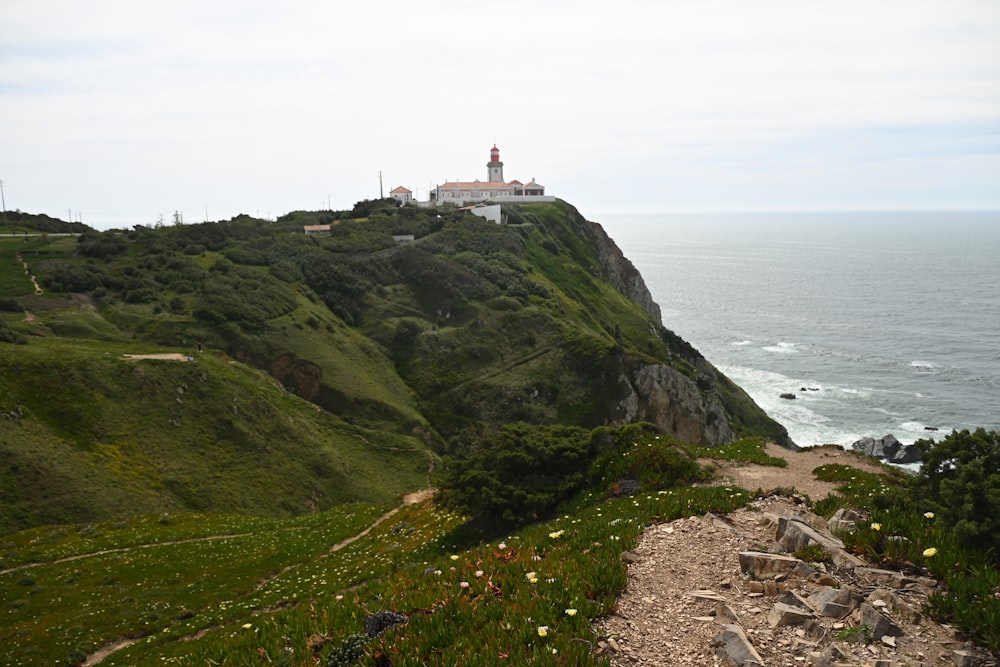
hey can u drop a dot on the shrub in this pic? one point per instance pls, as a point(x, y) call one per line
point(960, 479)
point(520, 472)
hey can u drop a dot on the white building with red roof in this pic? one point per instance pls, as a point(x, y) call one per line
point(494, 189)
point(401, 194)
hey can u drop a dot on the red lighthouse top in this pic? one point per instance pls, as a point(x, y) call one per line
point(494, 154)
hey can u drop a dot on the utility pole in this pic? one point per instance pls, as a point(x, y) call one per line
point(380, 184)
point(4, 200)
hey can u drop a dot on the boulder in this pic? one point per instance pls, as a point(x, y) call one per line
point(788, 396)
point(878, 623)
point(785, 614)
point(887, 448)
point(835, 602)
point(766, 565)
point(732, 645)
point(794, 534)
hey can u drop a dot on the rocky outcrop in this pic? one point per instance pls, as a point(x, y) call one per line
point(621, 272)
point(664, 396)
point(887, 448)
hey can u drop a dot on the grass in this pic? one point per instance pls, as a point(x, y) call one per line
point(104, 438)
point(276, 588)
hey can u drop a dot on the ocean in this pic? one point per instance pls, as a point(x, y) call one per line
point(878, 323)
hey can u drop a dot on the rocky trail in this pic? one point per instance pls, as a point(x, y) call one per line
point(713, 590)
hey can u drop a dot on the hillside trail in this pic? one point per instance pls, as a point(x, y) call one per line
point(110, 648)
point(659, 621)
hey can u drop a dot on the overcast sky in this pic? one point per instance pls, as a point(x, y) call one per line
point(123, 111)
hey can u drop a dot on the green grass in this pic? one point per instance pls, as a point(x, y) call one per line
point(105, 438)
point(234, 599)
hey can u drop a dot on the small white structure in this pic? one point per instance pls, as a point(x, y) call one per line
point(402, 195)
point(495, 189)
point(491, 213)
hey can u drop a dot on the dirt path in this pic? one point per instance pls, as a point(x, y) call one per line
point(659, 620)
point(169, 356)
point(798, 473)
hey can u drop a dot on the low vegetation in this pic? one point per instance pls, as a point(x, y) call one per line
point(940, 522)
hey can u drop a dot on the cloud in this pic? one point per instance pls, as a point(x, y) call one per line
point(141, 107)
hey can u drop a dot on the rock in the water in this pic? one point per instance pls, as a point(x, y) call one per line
point(788, 396)
point(888, 448)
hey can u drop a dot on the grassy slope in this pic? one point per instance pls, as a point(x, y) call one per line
point(105, 437)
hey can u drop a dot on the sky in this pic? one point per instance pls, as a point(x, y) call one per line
point(119, 113)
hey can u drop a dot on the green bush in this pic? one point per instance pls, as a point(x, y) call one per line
point(960, 481)
point(644, 460)
point(520, 472)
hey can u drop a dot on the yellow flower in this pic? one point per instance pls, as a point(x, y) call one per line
point(454, 556)
point(571, 612)
point(247, 626)
point(876, 526)
point(543, 630)
point(928, 515)
point(929, 553)
point(533, 580)
point(557, 534)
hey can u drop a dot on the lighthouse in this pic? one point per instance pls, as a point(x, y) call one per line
point(495, 167)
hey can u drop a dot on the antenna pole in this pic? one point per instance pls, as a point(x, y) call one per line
point(380, 184)
point(4, 200)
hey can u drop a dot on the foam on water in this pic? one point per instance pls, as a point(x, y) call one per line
point(893, 316)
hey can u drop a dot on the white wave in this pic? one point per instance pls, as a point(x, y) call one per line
point(741, 343)
point(924, 365)
point(781, 348)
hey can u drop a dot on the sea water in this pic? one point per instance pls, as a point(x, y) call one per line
point(877, 323)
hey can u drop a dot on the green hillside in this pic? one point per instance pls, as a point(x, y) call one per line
point(326, 368)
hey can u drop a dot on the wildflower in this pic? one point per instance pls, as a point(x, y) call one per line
point(571, 612)
point(876, 527)
point(543, 630)
point(479, 573)
point(929, 553)
point(502, 545)
point(339, 598)
point(454, 556)
point(557, 534)
point(531, 575)
point(533, 580)
point(464, 584)
point(928, 515)
point(247, 626)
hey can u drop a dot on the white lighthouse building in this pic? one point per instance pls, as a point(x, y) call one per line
point(493, 189)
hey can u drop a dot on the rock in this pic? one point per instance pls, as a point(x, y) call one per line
point(783, 614)
point(888, 448)
point(788, 396)
point(905, 454)
point(735, 649)
point(844, 520)
point(630, 557)
point(878, 623)
point(966, 659)
point(764, 565)
point(707, 595)
point(834, 602)
point(794, 534)
point(793, 599)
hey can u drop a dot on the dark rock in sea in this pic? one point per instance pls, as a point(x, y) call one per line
point(789, 397)
point(930, 428)
point(888, 448)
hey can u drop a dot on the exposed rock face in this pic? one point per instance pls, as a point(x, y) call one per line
point(300, 376)
point(888, 448)
point(665, 397)
point(621, 272)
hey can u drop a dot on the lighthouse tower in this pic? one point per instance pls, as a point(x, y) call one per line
point(495, 166)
